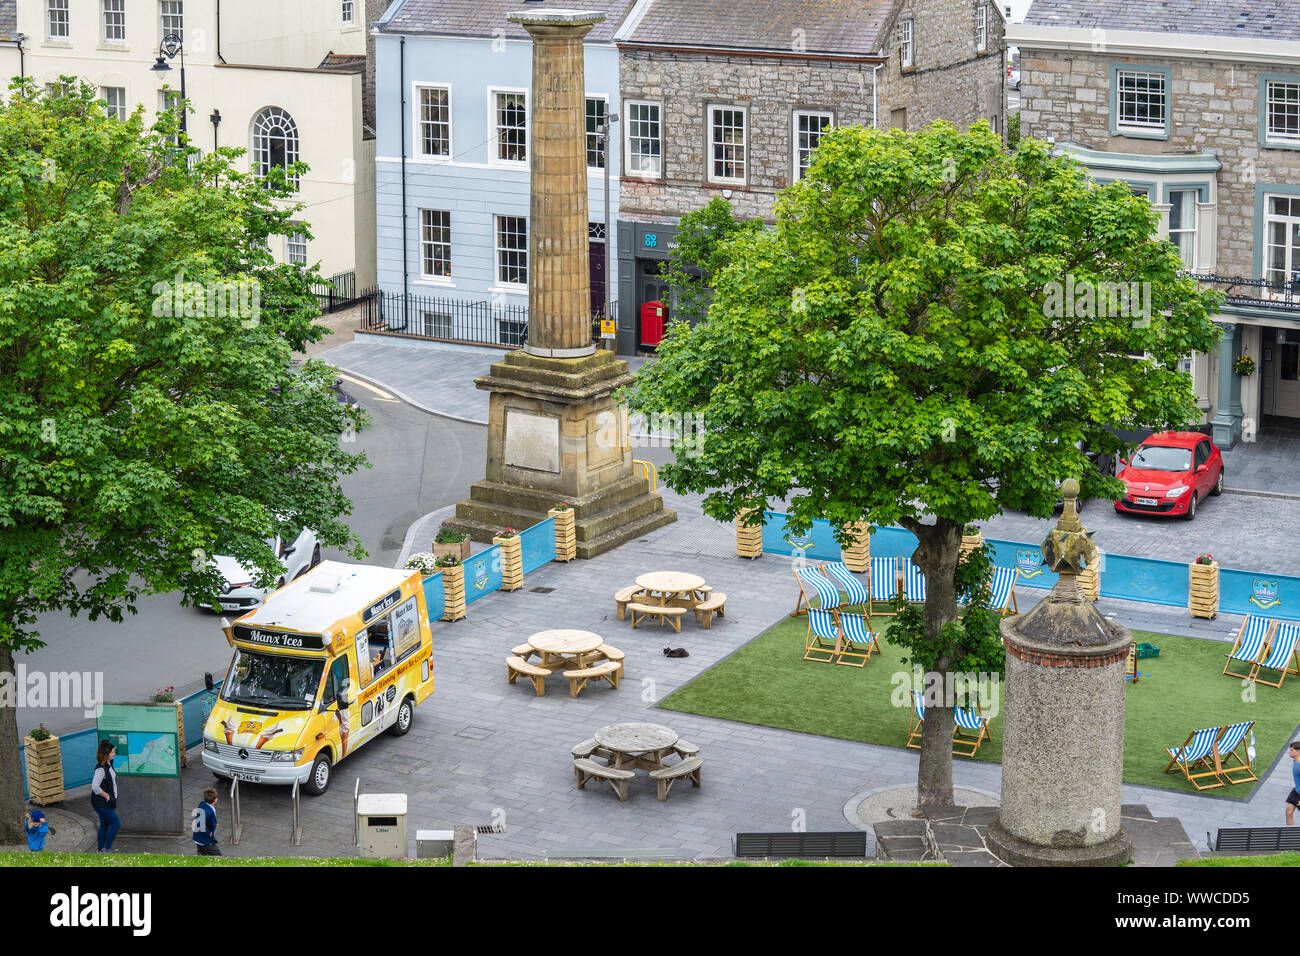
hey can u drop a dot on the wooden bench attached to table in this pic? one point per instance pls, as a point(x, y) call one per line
point(518, 667)
point(610, 671)
point(670, 613)
point(715, 604)
point(584, 770)
point(612, 654)
point(524, 650)
point(623, 597)
point(667, 776)
point(589, 748)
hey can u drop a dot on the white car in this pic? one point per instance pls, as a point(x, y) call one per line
point(240, 594)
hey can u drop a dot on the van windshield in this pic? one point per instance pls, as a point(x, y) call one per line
point(265, 680)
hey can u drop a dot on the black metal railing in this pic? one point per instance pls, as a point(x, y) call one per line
point(1253, 293)
point(456, 320)
point(338, 292)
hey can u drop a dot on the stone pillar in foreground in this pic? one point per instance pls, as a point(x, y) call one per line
point(1063, 731)
point(554, 431)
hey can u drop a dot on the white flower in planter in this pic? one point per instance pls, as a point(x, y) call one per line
point(422, 561)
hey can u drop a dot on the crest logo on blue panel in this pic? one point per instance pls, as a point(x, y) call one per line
point(1264, 593)
point(1145, 582)
point(800, 542)
point(1029, 561)
point(480, 575)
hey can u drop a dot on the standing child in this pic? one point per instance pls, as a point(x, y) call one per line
point(1293, 798)
point(205, 825)
point(36, 827)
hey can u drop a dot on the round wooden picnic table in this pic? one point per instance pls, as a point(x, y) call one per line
point(564, 646)
point(672, 586)
point(636, 745)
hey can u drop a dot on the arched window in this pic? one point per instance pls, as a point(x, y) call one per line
point(275, 141)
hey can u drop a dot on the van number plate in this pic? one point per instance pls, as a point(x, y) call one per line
point(245, 775)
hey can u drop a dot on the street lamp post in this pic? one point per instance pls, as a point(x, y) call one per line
point(170, 46)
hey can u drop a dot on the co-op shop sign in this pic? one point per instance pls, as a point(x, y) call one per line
point(652, 240)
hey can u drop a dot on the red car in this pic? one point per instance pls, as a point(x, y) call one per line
point(1169, 473)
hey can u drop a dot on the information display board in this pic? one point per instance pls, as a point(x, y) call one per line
point(145, 737)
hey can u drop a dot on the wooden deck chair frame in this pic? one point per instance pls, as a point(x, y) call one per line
point(1004, 610)
point(971, 738)
point(1292, 636)
point(1270, 625)
point(824, 639)
point(1207, 761)
point(891, 575)
point(1242, 766)
point(824, 586)
point(856, 648)
point(1132, 665)
point(838, 573)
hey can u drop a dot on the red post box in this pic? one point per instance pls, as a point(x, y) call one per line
point(652, 322)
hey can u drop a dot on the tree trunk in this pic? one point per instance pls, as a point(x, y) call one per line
point(937, 557)
point(11, 771)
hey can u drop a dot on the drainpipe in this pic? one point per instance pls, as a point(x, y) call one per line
point(219, 56)
point(875, 118)
point(401, 122)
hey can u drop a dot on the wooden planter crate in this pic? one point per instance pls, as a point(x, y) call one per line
point(566, 540)
point(749, 538)
point(453, 587)
point(512, 562)
point(459, 549)
point(1203, 590)
point(1090, 583)
point(180, 732)
point(857, 556)
point(969, 542)
point(44, 770)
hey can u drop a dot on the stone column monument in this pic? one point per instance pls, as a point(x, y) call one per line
point(554, 431)
point(1063, 737)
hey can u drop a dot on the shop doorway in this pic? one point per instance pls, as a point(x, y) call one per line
point(1280, 374)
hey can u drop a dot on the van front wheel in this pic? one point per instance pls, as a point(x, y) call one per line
point(405, 714)
point(320, 776)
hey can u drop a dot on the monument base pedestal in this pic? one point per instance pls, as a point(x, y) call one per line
point(556, 435)
point(1116, 851)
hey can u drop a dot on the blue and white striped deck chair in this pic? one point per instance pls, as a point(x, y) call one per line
point(913, 582)
point(1232, 738)
point(970, 729)
point(1004, 590)
point(1252, 637)
point(855, 592)
point(1195, 759)
point(813, 582)
point(857, 640)
point(884, 583)
point(823, 636)
point(1283, 656)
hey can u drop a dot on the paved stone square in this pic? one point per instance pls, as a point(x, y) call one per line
point(483, 752)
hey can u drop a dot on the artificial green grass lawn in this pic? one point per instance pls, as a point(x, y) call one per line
point(767, 682)
point(28, 858)
point(1275, 859)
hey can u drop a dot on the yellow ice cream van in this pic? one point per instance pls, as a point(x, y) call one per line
point(321, 668)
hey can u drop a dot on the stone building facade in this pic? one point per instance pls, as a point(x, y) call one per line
point(1198, 108)
point(729, 98)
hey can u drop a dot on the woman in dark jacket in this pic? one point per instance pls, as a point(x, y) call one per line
point(103, 795)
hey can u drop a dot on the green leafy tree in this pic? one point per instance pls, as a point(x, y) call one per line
point(150, 417)
point(914, 344)
point(702, 237)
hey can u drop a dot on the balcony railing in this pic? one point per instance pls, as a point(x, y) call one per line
point(1254, 293)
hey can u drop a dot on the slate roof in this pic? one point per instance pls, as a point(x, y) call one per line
point(8, 19)
point(1259, 19)
point(855, 27)
point(483, 18)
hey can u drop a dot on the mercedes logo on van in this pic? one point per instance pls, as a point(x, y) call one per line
point(243, 754)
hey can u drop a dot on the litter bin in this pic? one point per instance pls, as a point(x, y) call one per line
point(381, 819)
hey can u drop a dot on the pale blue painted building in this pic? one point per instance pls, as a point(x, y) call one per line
point(452, 81)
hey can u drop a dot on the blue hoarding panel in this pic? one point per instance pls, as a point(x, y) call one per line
point(1144, 579)
point(482, 573)
point(816, 544)
point(434, 596)
point(1027, 557)
point(538, 546)
point(1247, 592)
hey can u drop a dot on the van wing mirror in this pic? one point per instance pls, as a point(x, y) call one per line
point(207, 680)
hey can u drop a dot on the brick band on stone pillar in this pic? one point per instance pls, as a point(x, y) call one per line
point(559, 271)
